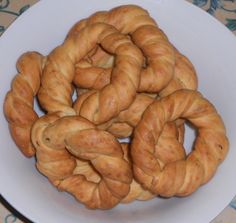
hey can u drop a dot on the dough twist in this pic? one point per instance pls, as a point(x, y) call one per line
point(182, 177)
point(90, 76)
point(19, 101)
point(129, 116)
point(159, 53)
point(167, 152)
point(168, 149)
point(56, 90)
point(122, 126)
point(55, 139)
point(185, 76)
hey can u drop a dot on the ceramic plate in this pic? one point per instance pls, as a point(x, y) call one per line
point(194, 33)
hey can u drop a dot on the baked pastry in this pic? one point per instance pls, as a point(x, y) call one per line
point(58, 140)
point(183, 177)
point(19, 101)
point(135, 84)
point(158, 69)
point(56, 90)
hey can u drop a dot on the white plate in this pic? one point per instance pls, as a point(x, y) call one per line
point(212, 49)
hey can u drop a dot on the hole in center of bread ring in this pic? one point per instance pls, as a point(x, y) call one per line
point(56, 89)
point(136, 22)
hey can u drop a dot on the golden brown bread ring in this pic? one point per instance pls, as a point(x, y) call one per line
point(179, 178)
point(55, 139)
point(159, 53)
point(56, 90)
point(19, 101)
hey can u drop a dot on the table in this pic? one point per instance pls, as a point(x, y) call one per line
point(223, 10)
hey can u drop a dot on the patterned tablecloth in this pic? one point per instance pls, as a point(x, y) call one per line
point(223, 10)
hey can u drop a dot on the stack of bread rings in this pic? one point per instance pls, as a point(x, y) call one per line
point(130, 82)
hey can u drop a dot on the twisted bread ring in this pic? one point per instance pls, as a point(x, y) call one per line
point(55, 92)
point(133, 20)
point(19, 101)
point(182, 177)
point(51, 136)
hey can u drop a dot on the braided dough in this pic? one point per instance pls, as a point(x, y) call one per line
point(89, 75)
point(143, 30)
point(122, 126)
point(185, 76)
point(52, 135)
point(98, 77)
point(137, 85)
point(55, 92)
point(182, 177)
point(19, 101)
